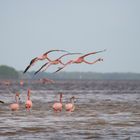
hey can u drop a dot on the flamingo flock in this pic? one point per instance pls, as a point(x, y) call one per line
point(78, 60)
point(59, 105)
point(15, 106)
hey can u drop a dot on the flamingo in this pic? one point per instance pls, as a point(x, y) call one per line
point(46, 80)
point(21, 82)
point(28, 103)
point(55, 62)
point(81, 60)
point(15, 106)
point(7, 82)
point(70, 106)
point(42, 57)
point(57, 107)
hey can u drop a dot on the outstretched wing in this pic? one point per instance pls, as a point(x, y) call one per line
point(31, 62)
point(53, 51)
point(60, 68)
point(67, 54)
point(93, 53)
point(41, 68)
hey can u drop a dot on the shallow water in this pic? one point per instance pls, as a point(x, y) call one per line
point(105, 110)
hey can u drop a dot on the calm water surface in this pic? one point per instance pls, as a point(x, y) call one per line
point(105, 110)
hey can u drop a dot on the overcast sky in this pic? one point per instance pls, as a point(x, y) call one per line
point(29, 28)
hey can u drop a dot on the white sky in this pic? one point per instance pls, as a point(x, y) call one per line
point(29, 28)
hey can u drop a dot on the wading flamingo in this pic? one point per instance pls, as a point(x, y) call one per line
point(7, 82)
point(15, 106)
point(42, 57)
point(81, 60)
point(46, 81)
point(57, 107)
point(54, 62)
point(70, 106)
point(21, 82)
point(28, 103)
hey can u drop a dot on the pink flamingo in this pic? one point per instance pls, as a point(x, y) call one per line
point(15, 106)
point(70, 106)
point(28, 103)
point(42, 57)
point(21, 82)
point(7, 82)
point(55, 62)
point(46, 80)
point(81, 60)
point(57, 107)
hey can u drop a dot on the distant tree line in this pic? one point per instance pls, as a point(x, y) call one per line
point(87, 75)
point(7, 72)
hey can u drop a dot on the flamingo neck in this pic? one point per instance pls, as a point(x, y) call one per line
point(28, 95)
point(72, 100)
point(60, 98)
point(16, 98)
point(46, 57)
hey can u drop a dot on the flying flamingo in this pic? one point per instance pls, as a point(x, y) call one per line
point(81, 60)
point(70, 106)
point(57, 107)
point(28, 103)
point(15, 106)
point(54, 62)
point(42, 57)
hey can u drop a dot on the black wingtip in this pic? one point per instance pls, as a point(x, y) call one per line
point(58, 69)
point(36, 72)
point(2, 102)
point(26, 69)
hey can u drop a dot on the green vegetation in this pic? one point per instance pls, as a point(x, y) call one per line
point(7, 72)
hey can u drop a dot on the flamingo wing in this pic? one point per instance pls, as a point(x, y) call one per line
point(48, 66)
point(31, 62)
point(60, 68)
point(67, 54)
point(53, 51)
point(41, 68)
point(93, 53)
